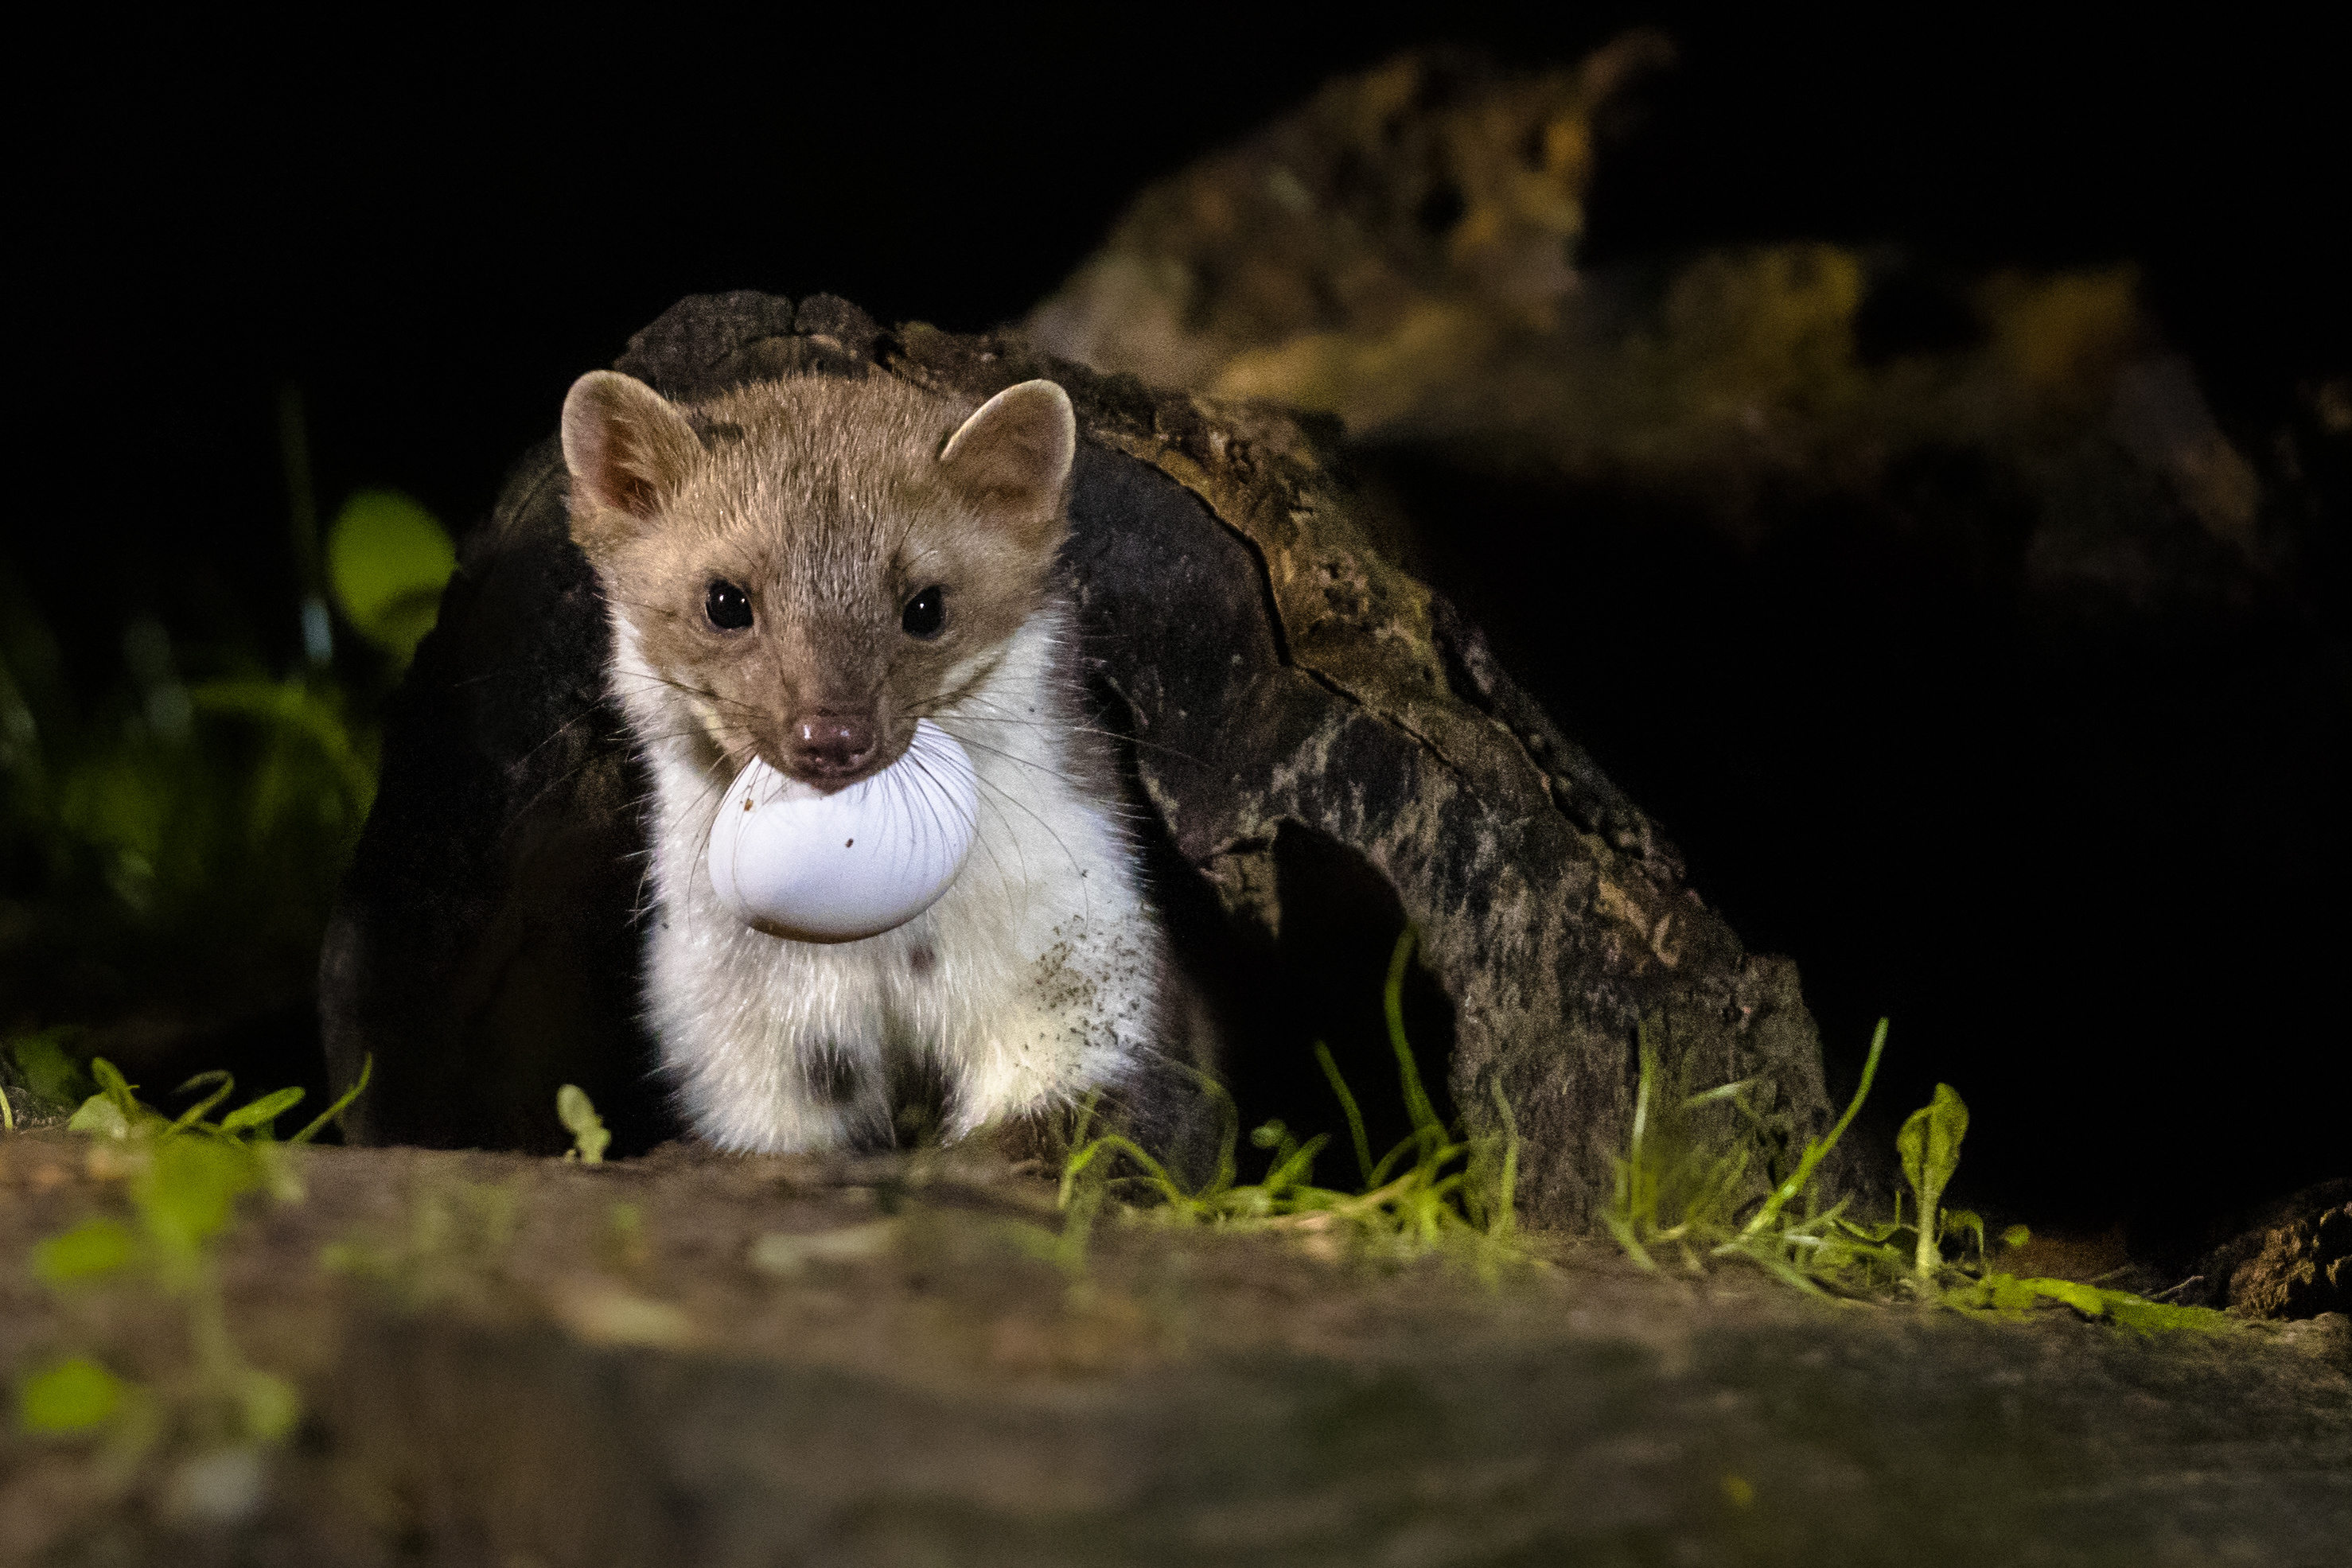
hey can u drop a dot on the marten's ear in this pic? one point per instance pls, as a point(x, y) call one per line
point(627, 447)
point(1013, 457)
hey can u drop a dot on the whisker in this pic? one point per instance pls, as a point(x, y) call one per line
point(707, 695)
point(1074, 781)
point(1118, 736)
point(666, 611)
point(1036, 817)
point(985, 842)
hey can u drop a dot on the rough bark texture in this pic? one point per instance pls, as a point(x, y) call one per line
point(1274, 676)
point(2293, 1261)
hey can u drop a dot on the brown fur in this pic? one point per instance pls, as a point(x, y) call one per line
point(830, 502)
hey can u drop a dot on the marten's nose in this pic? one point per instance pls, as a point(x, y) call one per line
point(827, 745)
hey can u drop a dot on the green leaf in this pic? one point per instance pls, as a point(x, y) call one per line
point(1929, 1146)
point(269, 1405)
point(2016, 1236)
point(2001, 1292)
point(187, 1193)
point(1929, 1142)
point(387, 560)
point(50, 1070)
point(73, 1395)
point(579, 1116)
point(262, 1112)
point(2007, 1293)
point(2148, 1317)
point(100, 1118)
point(2087, 1299)
point(93, 1247)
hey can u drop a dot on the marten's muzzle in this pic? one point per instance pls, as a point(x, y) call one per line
point(831, 748)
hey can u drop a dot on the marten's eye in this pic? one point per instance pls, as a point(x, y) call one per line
point(729, 606)
point(926, 613)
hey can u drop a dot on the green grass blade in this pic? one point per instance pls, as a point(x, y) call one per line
point(1630, 1242)
point(1155, 1175)
point(1504, 1219)
point(1296, 1170)
point(1229, 1137)
point(1416, 1099)
point(1722, 1091)
point(1348, 1105)
point(1380, 1172)
point(367, 1069)
point(222, 1084)
point(111, 1084)
point(1818, 1150)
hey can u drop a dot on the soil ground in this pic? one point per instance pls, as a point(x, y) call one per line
point(695, 1359)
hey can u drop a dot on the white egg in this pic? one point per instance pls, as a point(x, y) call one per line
point(797, 863)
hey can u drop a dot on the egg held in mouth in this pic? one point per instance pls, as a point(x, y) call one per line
point(797, 863)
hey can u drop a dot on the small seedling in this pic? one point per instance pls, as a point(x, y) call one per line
point(579, 1117)
point(114, 1112)
point(186, 1177)
point(1929, 1147)
point(1929, 1144)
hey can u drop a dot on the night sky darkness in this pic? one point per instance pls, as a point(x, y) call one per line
point(432, 236)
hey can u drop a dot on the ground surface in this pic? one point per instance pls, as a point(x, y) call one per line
point(510, 1361)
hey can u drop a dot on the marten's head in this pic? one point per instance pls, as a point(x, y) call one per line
point(806, 567)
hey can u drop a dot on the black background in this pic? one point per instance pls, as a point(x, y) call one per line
point(432, 233)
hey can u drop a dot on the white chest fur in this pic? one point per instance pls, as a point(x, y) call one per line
point(1032, 981)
